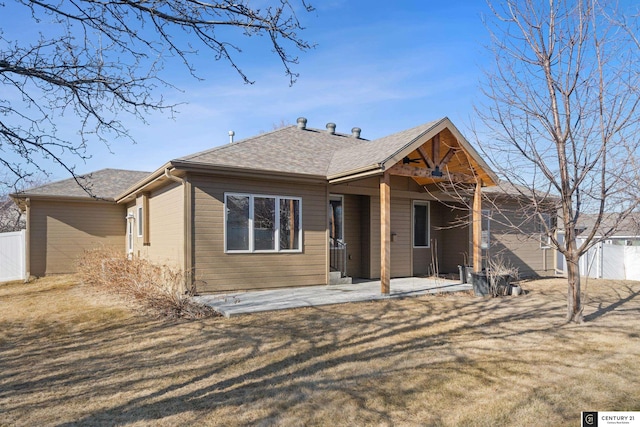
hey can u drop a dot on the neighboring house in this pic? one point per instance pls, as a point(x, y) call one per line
point(615, 231)
point(288, 207)
point(616, 250)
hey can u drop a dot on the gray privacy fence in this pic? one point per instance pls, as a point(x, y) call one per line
point(608, 261)
point(12, 256)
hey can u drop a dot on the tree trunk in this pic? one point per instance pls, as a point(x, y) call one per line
point(574, 303)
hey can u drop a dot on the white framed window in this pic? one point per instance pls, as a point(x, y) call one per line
point(140, 221)
point(421, 224)
point(544, 225)
point(261, 223)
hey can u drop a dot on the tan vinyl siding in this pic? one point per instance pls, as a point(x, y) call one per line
point(522, 248)
point(374, 230)
point(365, 237)
point(450, 229)
point(61, 231)
point(165, 227)
point(216, 270)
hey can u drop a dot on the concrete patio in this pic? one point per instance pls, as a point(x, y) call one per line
point(231, 304)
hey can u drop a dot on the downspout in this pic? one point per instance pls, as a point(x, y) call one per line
point(187, 217)
point(27, 241)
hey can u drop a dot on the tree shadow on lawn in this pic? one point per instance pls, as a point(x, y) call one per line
point(293, 377)
point(275, 363)
point(615, 303)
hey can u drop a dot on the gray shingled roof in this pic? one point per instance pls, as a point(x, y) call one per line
point(103, 184)
point(375, 152)
point(307, 151)
point(289, 150)
point(627, 227)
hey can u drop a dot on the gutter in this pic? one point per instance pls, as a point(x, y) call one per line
point(363, 172)
point(243, 172)
point(140, 185)
point(187, 217)
point(23, 196)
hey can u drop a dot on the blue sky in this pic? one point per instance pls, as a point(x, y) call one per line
point(378, 67)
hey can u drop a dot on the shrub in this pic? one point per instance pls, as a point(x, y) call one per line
point(158, 287)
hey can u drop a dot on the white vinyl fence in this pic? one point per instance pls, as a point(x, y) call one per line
point(608, 261)
point(12, 256)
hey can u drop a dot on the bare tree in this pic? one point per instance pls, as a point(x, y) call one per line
point(100, 59)
point(12, 218)
point(561, 115)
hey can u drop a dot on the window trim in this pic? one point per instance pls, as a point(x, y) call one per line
point(415, 203)
point(250, 224)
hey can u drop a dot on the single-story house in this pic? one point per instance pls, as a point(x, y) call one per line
point(293, 207)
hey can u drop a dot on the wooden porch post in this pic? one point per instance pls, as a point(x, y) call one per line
point(477, 227)
point(385, 234)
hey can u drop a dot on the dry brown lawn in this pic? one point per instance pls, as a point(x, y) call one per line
point(71, 356)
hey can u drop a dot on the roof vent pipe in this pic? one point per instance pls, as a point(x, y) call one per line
point(302, 123)
point(231, 134)
point(331, 128)
point(355, 132)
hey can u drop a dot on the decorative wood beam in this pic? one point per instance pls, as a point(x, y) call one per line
point(426, 158)
point(435, 149)
point(447, 157)
point(477, 227)
point(385, 234)
point(416, 172)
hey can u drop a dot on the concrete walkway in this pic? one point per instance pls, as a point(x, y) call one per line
point(232, 304)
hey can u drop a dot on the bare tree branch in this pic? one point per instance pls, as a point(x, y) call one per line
point(102, 60)
point(562, 111)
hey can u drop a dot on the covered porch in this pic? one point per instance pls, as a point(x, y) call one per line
point(417, 208)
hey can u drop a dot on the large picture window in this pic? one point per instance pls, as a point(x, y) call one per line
point(421, 224)
point(256, 223)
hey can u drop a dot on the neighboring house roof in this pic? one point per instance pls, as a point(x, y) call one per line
point(508, 189)
point(626, 227)
point(104, 184)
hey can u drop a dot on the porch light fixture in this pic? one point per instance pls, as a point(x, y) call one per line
point(436, 172)
point(407, 160)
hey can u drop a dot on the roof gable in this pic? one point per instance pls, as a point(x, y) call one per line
point(384, 153)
